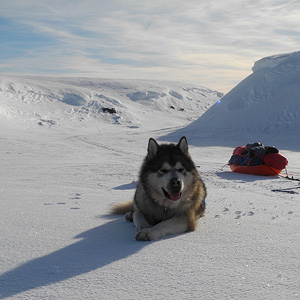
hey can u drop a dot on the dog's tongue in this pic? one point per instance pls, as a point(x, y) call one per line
point(175, 196)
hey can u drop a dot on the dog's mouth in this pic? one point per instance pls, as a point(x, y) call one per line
point(173, 195)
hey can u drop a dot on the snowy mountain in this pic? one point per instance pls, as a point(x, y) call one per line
point(263, 107)
point(50, 101)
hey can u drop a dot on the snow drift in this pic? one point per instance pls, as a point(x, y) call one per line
point(263, 107)
point(50, 101)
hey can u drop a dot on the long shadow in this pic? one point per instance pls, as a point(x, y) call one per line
point(245, 177)
point(127, 186)
point(96, 248)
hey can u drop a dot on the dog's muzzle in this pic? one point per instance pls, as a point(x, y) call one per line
point(175, 188)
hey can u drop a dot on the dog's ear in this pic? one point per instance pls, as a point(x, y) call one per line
point(183, 145)
point(152, 147)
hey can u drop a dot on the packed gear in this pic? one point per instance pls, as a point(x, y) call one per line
point(257, 159)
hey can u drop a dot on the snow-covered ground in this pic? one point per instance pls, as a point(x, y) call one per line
point(64, 162)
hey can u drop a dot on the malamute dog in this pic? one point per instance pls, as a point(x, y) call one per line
point(170, 195)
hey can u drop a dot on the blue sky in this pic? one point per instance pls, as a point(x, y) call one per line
point(211, 43)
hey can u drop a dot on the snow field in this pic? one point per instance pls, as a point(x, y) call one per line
point(59, 179)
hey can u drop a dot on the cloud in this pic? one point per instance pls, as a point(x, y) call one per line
point(213, 43)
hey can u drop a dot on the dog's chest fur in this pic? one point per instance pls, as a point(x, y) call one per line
point(153, 211)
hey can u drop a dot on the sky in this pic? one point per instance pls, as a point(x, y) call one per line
point(210, 43)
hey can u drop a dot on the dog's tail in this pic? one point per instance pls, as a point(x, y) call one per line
point(122, 208)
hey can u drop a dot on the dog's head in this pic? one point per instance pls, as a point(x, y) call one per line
point(167, 170)
point(172, 180)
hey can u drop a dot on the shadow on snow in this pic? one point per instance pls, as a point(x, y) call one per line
point(245, 177)
point(96, 248)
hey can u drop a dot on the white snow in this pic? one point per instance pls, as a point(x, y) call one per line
point(64, 162)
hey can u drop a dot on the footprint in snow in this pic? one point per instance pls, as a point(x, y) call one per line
point(76, 196)
point(240, 214)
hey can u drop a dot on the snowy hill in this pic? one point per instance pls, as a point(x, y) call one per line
point(50, 101)
point(263, 107)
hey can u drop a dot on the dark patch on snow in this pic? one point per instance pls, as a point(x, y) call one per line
point(109, 110)
point(46, 123)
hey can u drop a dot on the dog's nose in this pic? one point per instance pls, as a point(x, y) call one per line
point(175, 182)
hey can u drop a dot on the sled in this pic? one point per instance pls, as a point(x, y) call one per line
point(257, 159)
point(263, 170)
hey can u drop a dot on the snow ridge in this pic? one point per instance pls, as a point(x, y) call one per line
point(74, 101)
point(270, 62)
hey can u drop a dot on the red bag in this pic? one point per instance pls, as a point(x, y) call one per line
point(275, 160)
point(239, 150)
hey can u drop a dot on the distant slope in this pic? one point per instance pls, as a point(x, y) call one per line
point(54, 101)
point(265, 106)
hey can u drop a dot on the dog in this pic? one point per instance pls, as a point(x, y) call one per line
point(170, 195)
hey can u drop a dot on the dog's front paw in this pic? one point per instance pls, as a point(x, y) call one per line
point(144, 235)
point(129, 216)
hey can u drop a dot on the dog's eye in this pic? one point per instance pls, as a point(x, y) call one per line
point(181, 170)
point(164, 171)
